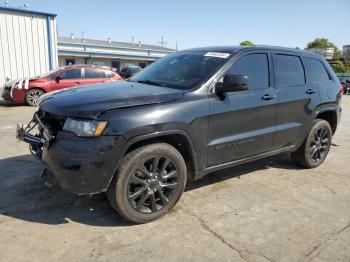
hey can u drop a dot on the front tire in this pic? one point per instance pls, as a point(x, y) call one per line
point(33, 95)
point(148, 182)
point(316, 146)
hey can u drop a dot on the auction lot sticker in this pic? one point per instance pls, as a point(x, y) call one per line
point(217, 54)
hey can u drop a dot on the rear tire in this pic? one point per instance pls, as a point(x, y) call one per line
point(316, 145)
point(33, 95)
point(148, 182)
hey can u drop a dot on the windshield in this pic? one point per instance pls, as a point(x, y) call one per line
point(183, 70)
point(45, 75)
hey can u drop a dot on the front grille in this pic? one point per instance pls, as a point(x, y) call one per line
point(52, 122)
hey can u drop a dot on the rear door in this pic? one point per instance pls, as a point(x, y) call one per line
point(242, 123)
point(318, 79)
point(69, 78)
point(297, 99)
point(94, 75)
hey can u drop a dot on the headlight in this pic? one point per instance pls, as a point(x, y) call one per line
point(87, 128)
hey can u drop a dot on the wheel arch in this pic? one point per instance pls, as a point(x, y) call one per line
point(328, 114)
point(177, 138)
point(36, 87)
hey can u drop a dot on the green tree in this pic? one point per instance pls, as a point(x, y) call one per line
point(246, 43)
point(341, 66)
point(338, 67)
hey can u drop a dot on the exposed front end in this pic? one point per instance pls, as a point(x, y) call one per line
point(83, 165)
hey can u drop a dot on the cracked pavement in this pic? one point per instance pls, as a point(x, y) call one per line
point(268, 210)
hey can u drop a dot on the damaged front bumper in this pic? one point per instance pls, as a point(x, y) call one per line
point(79, 164)
point(38, 141)
point(6, 95)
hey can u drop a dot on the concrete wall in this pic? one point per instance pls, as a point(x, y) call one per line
point(25, 47)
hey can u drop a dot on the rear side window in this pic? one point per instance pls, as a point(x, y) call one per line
point(71, 74)
point(315, 71)
point(256, 67)
point(288, 70)
point(94, 73)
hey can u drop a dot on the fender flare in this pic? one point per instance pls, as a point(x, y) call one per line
point(153, 135)
point(322, 109)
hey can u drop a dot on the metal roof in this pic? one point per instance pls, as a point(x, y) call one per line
point(19, 10)
point(106, 43)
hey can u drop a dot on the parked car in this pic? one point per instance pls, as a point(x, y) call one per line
point(129, 71)
point(346, 86)
point(187, 115)
point(30, 90)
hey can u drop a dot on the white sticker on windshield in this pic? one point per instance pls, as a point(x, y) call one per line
point(217, 54)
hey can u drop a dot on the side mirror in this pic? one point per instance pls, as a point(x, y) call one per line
point(232, 83)
point(58, 78)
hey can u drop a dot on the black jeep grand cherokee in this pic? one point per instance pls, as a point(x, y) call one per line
point(187, 115)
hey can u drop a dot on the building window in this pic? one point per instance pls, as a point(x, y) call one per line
point(69, 61)
point(116, 65)
point(143, 65)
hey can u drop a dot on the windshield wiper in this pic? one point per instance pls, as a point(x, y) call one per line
point(151, 82)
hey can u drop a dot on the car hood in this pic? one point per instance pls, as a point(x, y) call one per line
point(13, 82)
point(90, 101)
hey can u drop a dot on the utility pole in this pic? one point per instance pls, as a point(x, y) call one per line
point(132, 39)
point(162, 43)
point(176, 46)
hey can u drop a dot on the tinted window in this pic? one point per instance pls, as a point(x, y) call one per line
point(94, 73)
point(315, 71)
point(289, 70)
point(256, 67)
point(109, 74)
point(71, 74)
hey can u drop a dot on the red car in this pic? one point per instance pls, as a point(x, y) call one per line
point(29, 90)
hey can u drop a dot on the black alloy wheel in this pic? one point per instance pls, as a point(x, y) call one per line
point(316, 145)
point(319, 144)
point(153, 184)
point(148, 182)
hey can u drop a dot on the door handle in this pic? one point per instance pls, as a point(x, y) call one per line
point(267, 97)
point(310, 91)
point(77, 83)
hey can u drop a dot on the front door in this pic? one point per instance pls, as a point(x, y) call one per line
point(69, 78)
point(242, 123)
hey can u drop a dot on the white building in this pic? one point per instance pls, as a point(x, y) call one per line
point(110, 53)
point(29, 46)
point(346, 52)
point(27, 43)
point(327, 52)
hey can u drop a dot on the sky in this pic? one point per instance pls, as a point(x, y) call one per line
point(195, 23)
